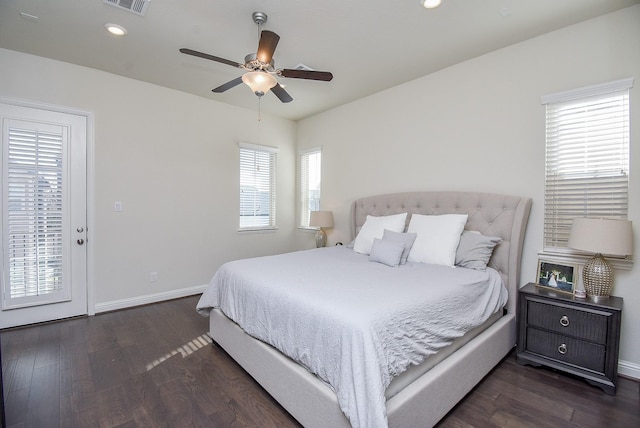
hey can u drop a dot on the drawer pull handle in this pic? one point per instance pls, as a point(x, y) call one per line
point(562, 349)
point(564, 321)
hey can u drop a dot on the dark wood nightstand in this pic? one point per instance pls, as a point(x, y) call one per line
point(577, 336)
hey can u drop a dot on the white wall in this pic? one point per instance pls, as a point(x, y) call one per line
point(172, 160)
point(479, 126)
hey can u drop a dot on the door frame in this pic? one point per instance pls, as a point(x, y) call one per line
point(90, 139)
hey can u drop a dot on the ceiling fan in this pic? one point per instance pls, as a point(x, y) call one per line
point(261, 71)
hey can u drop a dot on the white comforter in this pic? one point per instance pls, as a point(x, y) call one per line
point(354, 323)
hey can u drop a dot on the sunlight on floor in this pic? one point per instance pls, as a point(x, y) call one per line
point(185, 350)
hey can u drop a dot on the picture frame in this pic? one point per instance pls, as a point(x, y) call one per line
point(557, 276)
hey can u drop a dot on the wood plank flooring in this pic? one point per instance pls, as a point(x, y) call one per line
point(153, 366)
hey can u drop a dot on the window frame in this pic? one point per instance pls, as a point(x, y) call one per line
point(584, 171)
point(304, 190)
point(271, 153)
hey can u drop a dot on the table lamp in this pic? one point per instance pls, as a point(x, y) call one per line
point(321, 219)
point(600, 236)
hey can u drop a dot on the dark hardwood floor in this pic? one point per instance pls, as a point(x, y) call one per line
point(153, 366)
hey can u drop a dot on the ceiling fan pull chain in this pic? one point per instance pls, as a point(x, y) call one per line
point(259, 118)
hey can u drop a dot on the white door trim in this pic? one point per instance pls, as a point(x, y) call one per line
point(90, 183)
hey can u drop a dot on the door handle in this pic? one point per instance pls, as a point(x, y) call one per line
point(80, 241)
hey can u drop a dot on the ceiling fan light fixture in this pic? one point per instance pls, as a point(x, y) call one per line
point(430, 4)
point(259, 81)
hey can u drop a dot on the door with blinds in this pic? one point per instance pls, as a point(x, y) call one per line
point(44, 273)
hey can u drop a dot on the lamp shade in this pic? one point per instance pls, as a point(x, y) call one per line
point(321, 219)
point(259, 81)
point(600, 235)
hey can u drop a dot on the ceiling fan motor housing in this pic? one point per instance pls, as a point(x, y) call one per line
point(252, 63)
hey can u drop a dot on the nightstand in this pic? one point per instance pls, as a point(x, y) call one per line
point(576, 336)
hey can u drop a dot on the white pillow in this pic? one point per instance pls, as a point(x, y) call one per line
point(438, 238)
point(374, 227)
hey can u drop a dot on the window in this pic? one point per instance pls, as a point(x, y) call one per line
point(587, 157)
point(35, 209)
point(310, 167)
point(257, 187)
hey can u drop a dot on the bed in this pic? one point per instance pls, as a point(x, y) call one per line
point(414, 394)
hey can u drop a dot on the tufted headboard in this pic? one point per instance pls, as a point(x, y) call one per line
point(490, 214)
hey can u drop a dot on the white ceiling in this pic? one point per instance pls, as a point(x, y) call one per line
point(368, 45)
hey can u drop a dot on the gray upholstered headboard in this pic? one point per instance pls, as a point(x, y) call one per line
point(490, 214)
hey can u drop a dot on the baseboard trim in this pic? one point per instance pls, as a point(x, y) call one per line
point(628, 369)
point(149, 298)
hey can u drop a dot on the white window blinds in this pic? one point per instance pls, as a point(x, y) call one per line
point(34, 211)
point(310, 179)
point(257, 187)
point(587, 157)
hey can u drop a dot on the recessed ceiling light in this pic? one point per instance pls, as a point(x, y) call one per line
point(430, 4)
point(116, 29)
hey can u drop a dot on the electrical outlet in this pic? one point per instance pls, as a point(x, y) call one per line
point(153, 277)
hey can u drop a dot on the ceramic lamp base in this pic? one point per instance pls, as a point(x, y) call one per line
point(321, 238)
point(597, 277)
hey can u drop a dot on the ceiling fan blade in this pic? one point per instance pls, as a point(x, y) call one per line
point(325, 76)
point(230, 84)
point(210, 57)
point(282, 95)
point(267, 46)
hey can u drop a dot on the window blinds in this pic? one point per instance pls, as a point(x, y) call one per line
point(34, 198)
point(257, 187)
point(310, 179)
point(587, 157)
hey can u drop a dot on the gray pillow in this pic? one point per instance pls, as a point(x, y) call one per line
point(406, 239)
point(386, 252)
point(475, 249)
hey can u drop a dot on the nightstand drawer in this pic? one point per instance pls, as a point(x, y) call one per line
point(566, 349)
point(580, 324)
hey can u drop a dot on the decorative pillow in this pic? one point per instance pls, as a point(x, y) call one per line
point(386, 252)
point(374, 227)
point(475, 249)
point(406, 239)
point(438, 238)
